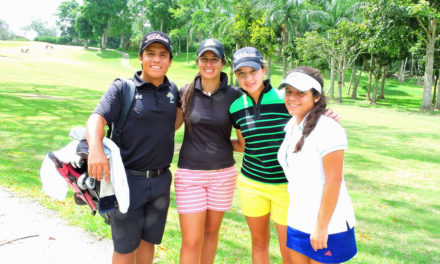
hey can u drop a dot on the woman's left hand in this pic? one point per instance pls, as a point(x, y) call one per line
point(318, 238)
point(332, 114)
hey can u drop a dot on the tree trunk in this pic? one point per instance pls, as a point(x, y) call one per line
point(352, 78)
point(358, 79)
point(340, 79)
point(187, 47)
point(376, 81)
point(199, 34)
point(105, 36)
point(412, 64)
point(121, 42)
point(343, 78)
point(437, 104)
point(161, 25)
point(370, 75)
point(332, 79)
point(280, 50)
point(382, 84)
point(399, 75)
point(269, 66)
point(355, 85)
point(404, 69)
point(86, 44)
point(286, 42)
point(290, 65)
point(427, 89)
point(437, 75)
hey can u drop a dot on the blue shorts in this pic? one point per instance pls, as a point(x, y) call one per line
point(340, 246)
point(147, 214)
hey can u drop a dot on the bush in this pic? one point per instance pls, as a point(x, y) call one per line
point(52, 40)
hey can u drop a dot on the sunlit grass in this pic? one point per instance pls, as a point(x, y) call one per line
point(391, 165)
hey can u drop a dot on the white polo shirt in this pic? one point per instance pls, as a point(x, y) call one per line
point(305, 174)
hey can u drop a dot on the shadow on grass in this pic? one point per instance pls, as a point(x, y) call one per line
point(109, 54)
point(399, 221)
point(33, 126)
point(376, 139)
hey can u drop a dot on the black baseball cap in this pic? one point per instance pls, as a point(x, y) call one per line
point(212, 45)
point(156, 36)
point(247, 57)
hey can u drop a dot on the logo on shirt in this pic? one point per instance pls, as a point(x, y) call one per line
point(171, 96)
point(138, 96)
point(328, 253)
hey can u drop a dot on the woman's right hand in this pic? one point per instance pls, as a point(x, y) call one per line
point(319, 238)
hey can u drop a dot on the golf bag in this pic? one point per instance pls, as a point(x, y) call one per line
point(86, 190)
point(67, 167)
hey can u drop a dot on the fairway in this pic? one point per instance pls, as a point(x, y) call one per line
point(391, 165)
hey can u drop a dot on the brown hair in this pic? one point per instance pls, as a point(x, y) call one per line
point(188, 96)
point(187, 101)
point(318, 109)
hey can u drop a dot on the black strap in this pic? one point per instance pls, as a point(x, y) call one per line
point(127, 96)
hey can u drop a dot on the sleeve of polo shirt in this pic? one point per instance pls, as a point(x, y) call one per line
point(331, 136)
point(179, 99)
point(110, 104)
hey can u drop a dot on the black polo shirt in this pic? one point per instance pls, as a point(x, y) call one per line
point(208, 146)
point(147, 139)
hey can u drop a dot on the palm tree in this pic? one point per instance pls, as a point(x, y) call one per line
point(330, 14)
point(287, 16)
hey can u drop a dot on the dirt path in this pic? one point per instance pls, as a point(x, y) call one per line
point(30, 233)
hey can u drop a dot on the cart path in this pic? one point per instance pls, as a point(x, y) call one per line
point(31, 233)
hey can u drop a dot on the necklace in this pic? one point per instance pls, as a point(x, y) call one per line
point(207, 93)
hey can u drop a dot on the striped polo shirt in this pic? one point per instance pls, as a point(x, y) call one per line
point(262, 126)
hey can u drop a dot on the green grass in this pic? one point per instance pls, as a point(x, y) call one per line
point(391, 165)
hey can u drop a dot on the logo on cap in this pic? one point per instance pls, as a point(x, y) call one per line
point(210, 42)
point(245, 55)
point(156, 37)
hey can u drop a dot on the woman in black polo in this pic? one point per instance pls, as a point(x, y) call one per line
point(205, 178)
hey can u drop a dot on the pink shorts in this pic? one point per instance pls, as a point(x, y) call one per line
point(199, 190)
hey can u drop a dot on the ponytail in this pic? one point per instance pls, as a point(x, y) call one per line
point(318, 109)
point(311, 120)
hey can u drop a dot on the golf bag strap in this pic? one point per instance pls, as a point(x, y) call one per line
point(127, 96)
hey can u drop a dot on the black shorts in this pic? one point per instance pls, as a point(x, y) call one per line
point(147, 214)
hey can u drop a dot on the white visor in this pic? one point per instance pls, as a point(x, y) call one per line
point(302, 82)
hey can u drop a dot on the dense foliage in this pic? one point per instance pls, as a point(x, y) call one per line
point(382, 37)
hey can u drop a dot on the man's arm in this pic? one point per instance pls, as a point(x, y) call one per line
point(97, 160)
point(179, 118)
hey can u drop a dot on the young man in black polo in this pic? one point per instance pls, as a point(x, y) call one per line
point(146, 147)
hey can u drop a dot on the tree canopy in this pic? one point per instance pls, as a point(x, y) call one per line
point(381, 37)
